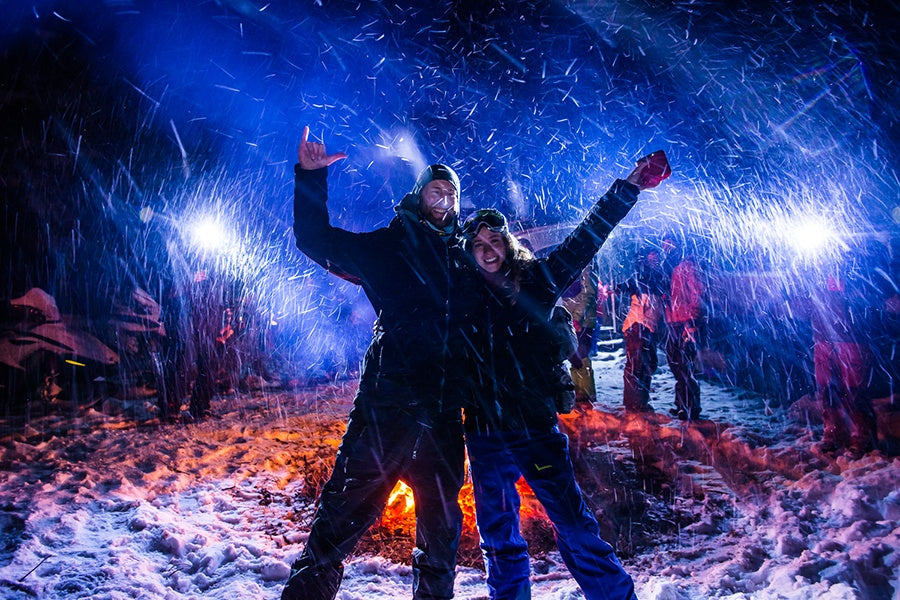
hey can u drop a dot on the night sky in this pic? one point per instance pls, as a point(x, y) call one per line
point(124, 121)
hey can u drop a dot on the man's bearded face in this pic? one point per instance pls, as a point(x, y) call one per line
point(439, 203)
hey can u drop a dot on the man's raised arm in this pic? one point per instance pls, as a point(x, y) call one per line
point(329, 246)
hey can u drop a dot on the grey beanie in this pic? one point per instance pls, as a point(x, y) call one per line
point(433, 172)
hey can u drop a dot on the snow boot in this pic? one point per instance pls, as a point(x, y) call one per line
point(309, 583)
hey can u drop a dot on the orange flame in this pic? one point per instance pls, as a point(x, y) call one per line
point(400, 510)
point(402, 496)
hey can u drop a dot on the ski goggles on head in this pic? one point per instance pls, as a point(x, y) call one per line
point(491, 218)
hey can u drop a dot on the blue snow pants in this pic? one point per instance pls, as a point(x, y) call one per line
point(380, 447)
point(497, 460)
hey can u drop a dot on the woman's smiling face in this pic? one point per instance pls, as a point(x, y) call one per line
point(489, 250)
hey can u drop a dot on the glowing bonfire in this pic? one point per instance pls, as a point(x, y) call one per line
point(393, 535)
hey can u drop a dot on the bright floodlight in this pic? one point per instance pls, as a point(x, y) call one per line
point(209, 234)
point(810, 237)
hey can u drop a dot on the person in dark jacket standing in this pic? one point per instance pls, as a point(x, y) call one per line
point(580, 299)
point(406, 419)
point(512, 430)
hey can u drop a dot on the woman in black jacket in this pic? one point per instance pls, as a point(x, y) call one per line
point(512, 429)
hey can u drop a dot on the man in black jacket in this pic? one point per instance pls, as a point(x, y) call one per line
point(406, 419)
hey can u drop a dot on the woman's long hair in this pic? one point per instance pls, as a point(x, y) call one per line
point(517, 258)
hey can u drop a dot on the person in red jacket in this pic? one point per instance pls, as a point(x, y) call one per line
point(847, 314)
point(684, 311)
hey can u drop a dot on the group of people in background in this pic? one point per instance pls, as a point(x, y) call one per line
point(851, 311)
point(666, 300)
point(667, 295)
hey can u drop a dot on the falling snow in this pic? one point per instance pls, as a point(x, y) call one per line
point(146, 169)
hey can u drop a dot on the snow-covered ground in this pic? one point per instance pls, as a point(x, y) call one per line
point(741, 506)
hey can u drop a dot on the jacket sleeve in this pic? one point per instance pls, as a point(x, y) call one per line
point(333, 248)
point(566, 262)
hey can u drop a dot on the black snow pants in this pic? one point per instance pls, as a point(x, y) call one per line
point(681, 352)
point(381, 446)
point(640, 364)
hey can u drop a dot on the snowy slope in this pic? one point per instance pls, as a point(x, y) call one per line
point(742, 506)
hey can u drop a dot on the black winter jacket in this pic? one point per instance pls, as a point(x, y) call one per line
point(422, 286)
point(517, 379)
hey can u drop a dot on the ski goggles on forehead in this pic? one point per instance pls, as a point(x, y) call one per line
point(486, 217)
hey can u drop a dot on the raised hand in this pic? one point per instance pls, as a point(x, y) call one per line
point(312, 155)
point(650, 170)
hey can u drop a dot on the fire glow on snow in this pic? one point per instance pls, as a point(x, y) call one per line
point(745, 507)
